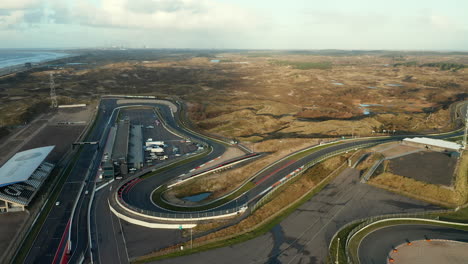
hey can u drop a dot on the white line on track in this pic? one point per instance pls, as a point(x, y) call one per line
point(123, 238)
point(113, 229)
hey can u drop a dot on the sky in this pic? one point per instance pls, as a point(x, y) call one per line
point(235, 24)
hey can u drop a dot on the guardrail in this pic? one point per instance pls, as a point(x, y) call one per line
point(195, 216)
point(371, 171)
point(270, 192)
point(223, 165)
point(368, 221)
point(173, 216)
point(264, 195)
point(88, 223)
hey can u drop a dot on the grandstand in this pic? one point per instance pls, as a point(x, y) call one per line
point(22, 176)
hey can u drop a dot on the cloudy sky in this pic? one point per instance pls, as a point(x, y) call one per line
point(243, 24)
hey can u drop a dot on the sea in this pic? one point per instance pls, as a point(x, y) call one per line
point(11, 57)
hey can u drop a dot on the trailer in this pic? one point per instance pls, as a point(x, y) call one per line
point(154, 143)
point(158, 151)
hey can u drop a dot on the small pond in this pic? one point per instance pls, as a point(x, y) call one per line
point(337, 83)
point(394, 85)
point(197, 197)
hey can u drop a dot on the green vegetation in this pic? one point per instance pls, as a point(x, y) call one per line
point(460, 216)
point(445, 66)
point(342, 235)
point(406, 64)
point(260, 54)
point(326, 65)
point(34, 110)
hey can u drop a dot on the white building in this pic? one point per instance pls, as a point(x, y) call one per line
point(22, 176)
point(434, 144)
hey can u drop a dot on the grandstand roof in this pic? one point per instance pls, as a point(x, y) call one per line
point(22, 165)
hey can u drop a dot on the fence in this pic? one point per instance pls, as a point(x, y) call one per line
point(232, 211)
point(351, 258)
point(371, 171)
point(195, 216)
point(305, 168)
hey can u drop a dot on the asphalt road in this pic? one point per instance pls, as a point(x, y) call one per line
point(303, 237)
point(376, 246)
point(47, 242)
point(110, 244)
point(139, 194)
point(109, 241)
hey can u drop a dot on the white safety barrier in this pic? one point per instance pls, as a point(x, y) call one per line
point(150, 225)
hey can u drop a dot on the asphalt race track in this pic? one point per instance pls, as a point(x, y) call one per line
point(304, 235)
point(374, 248)
point(107, 227)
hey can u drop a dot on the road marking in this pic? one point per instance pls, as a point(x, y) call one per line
point(123, 238)
point(326, 224)
point(269, 175)
point(61, 242)
point(97, 232)
point(115, 238)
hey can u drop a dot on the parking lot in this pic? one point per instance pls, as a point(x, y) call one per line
point(173, 146)
point(426, 166)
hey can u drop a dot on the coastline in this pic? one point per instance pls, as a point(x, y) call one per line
point(36, 61)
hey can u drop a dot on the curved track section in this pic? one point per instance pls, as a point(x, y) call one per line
point(138, 198)
point(375, 247)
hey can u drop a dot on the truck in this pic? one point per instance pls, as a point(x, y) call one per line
point(154, 143)
point(158, 151)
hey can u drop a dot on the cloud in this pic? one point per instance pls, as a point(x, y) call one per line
point(18, 13)
point(151, 6)
point(160, 14)
point(138, 14)
point(19, 4)
point(443, 22)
